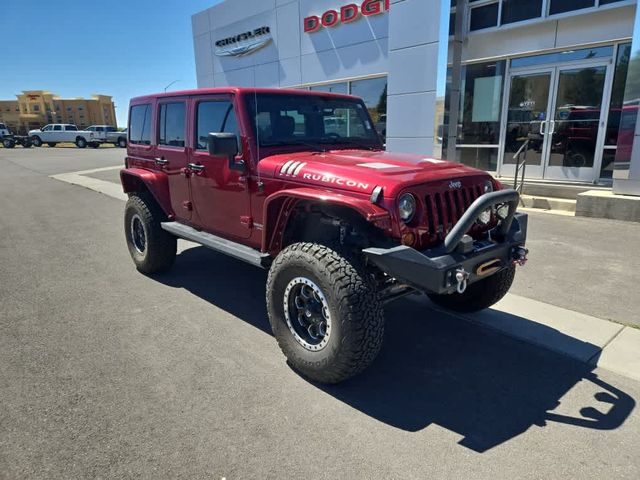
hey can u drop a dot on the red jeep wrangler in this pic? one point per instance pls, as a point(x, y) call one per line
point(298, 182)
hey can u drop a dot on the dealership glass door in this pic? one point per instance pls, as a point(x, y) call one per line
point(559, 110)
point(527, 116)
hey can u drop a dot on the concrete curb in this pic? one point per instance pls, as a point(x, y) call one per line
point(585, 338)
point(588, 339)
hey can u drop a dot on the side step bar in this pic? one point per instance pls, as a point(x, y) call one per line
point(233, 249)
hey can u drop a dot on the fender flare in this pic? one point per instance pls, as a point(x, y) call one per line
point(138, 180)
point(278, 207)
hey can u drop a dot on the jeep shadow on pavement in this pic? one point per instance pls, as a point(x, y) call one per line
point(433, 367)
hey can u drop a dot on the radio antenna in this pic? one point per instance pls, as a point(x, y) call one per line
point(255, 100)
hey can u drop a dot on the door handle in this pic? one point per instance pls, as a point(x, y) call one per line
point(542, 124)
point(553, 127)
point(161, 161)
point(195, 167)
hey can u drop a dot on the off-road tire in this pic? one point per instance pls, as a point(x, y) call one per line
point(357, 319)
point(8, 143)
point(52, 144)
point(37, 142)
point(479, 295)
point(81, 142)
point(161, 246)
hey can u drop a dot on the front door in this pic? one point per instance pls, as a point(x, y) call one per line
point(559, 110)
point(220, 193)
point(527, 119)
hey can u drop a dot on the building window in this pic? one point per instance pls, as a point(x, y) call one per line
point(480, 112)
point(36, 108)
point(68, 109)
point(172, 124)
point(561, 57)
point(374, 93)
point(517, 10)
point(561, 6)
point(332, 88)
point(484, 16)
point(140, 125)
point(616, 110)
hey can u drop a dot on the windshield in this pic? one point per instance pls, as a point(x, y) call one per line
point(289, 119)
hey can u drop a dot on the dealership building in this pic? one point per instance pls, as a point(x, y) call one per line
point(550, 72)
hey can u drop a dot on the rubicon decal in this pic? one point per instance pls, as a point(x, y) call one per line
point(347, 14)
point(244, 43)
point(295, 169)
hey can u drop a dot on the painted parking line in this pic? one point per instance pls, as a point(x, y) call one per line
point(81, 179)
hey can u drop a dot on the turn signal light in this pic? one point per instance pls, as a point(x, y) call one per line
point(408, 239)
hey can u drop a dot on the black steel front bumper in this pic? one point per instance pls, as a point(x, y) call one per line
point(435, 270)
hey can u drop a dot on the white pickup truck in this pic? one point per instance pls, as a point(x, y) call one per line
point(62, 132)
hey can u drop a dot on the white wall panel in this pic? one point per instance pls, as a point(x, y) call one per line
point(290, 74)
point(413, 115)
point(203, 54)
point(288, 26)
point(423, 145)
point(267, 75)
point(353, 61)
point(413, 69)
point(244, 77)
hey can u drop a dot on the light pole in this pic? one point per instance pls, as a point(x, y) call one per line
point(175, 81)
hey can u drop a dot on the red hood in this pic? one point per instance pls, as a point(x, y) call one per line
point(361, 171)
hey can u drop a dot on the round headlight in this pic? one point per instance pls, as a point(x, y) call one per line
point(488, 186)
point(407, 207)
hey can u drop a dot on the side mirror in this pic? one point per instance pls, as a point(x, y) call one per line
point(226, 145)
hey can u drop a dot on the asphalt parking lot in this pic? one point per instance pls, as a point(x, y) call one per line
point(108, 373)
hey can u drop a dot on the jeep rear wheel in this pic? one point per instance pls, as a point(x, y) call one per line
point(324, 312)
point(152, 249)
point(479, 295)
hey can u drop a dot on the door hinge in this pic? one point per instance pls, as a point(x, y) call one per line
point(247, 221)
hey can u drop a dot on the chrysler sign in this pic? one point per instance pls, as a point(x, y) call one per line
point(243, 43)
point(347, 14)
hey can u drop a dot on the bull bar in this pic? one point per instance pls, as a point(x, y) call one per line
point(460, 260)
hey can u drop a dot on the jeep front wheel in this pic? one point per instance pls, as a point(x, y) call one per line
point(324, 312)
point(479, 295)
point(152, 249)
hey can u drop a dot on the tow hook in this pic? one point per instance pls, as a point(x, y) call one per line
point(520, 256)
point(461, 277)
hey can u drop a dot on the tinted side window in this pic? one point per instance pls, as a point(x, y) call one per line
point(214, 117)
point(71, 128)
point(140, 124)
point(172, 125)
point(57, 127)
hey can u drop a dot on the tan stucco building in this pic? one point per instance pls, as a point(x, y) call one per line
point(35, 108)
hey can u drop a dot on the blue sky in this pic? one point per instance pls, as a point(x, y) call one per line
point(76, 48)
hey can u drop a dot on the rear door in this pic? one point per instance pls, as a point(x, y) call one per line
point(70, 133)
point(219, 193)
point(171, 152)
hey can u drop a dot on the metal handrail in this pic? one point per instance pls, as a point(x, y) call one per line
point(523, 146)
point(521, 167)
